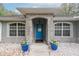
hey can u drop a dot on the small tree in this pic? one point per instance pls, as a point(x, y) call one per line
point(5, 12)
point(2, 10)
point(68, 9)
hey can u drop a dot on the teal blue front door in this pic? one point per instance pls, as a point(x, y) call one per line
point(39, 31)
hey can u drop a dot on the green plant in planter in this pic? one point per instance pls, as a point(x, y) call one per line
point(54, 44)
point(24, 45)
point(24, 42)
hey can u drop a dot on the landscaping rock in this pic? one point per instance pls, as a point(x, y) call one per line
point(8, 49)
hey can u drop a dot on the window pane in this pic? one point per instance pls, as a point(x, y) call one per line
point(58, 32)
point(65, 24)
point(58, 27)
point(21, 27)
point(12, 32)
point(14, 24)
point(12, 27)
point(21, 32)
point(66, 32)
point(21, 24)
point(66, 27)
point(58, 24)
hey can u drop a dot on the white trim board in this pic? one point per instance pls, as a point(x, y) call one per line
point(0, 31)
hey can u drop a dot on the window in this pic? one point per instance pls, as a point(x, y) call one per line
point(17, 29)
point(63, 29)
point(58, 29)
point(13, 29)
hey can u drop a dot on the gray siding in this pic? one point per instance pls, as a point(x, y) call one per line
point(77, 31)
point(6, 38)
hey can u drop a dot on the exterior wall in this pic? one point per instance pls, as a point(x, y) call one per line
point(6, 38)
point(49, 29)
point(77, 31)
point(74, 31)
point(29, 30)
point(29, 27)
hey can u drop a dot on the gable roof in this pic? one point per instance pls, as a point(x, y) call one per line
point(25, 11)
point(45, 11)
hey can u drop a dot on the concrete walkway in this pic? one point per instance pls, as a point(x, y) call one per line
point(39, 49)
point(64, 49)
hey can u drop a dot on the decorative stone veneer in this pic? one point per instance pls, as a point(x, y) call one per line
point(29, 32)
point(29, 27)
point(50, 29)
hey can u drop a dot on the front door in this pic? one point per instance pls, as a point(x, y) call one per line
point(39, 31)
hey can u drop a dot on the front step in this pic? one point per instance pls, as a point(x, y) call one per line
point(39, 49)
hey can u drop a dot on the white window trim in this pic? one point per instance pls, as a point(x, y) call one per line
point(8, 29)
point(71, 30)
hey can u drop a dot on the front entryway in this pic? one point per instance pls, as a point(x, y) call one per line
point(39, 29)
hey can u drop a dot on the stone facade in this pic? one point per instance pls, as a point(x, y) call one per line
point(29, 27)
point(29, 32)
point(50, 29)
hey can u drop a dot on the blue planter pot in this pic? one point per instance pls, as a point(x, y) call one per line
point(24, 47)
point(53, 46)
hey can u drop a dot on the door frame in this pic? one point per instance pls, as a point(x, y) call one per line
point(44, 20)
point(39, 22)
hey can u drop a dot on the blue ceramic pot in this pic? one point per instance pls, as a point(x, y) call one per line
point(53, 46)
point(24, 47)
